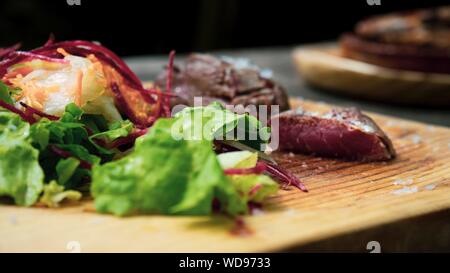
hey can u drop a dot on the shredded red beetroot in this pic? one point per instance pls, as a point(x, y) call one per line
point(48, 52)
point(33, 56)
point(128, 139)
point(240, 227)
point(79, 48)
point(7, 50)
point(26, 117)
point(258, 169)
point(84, 48)
point(123, 105)
point(37, 112)
point(216, 206)
point(66, 154)
point(255, 189)
point(253, 206)
point(278, 173)
point(51, 40)
point(284, 176)
point(166, 100)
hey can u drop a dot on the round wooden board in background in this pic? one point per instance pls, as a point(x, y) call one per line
point(326, 69)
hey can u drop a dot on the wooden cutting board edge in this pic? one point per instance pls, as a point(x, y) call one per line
point(324, 67)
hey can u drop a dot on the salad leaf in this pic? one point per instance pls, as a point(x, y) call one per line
point(21, 176)
point(238, 160)
point(207, 182)
point(97, 123)
point(116, 130)
point(252, 187)
point(13, 128)
point(66, 168)
point(54, 194)
point(164, 175)
point(216, 122)
point(70, 135)
point(80, 152)
point(72, 113)
point(5, 93)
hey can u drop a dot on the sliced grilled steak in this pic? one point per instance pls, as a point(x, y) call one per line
point(221, 80)
point(343, 133)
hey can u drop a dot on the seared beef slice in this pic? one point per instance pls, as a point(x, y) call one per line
point(343, 133)
point(216, 79)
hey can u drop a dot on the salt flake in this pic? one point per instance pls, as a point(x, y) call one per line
point(405, 190)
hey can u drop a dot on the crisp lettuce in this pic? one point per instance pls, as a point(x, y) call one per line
point(238, 160)
point(5, 93)
point(166, 172)
point(174, 170)
point(54, 194)
point(164, 175)
point(116, 130)
point(27, 159)
point(21, 176)
point(252, 187)
point(69, 133)
point(214, 122)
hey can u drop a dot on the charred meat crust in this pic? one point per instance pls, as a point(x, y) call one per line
point(416, 40)
point(214, 79)
point(406, 57)
point(341, 133)
point(424, 27)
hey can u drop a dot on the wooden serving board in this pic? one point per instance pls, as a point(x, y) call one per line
point(325, 67)
point(403, 205)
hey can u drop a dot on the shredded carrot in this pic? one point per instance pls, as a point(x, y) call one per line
point(62, 52)
point(79, 88)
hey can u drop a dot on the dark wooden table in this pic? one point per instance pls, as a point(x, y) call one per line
point(280, 62)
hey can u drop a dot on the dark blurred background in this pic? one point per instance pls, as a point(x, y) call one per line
point(132, 27)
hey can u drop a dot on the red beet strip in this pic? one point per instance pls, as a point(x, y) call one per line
point(99, 51)
point(128, 139)
point(23, 115)
point(65, 154)
point(33, 56)
point(255, 189)
point(123, 103)
point(240, 227)
point(284, 176)
point(7, 50)
point(166, 100)
point(38, 112)
point(50, 41)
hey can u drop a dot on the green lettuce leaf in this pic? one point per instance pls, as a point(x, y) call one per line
point(164, 175)
point(252, 187)
point(69, 133)
point(215, 122)
point(21, 176)
point(5, 93)
point(66, 168)
point(116, 130)
point(54, 194)
point(238, 160)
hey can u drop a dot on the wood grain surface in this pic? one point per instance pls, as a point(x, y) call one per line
point(402, 204)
